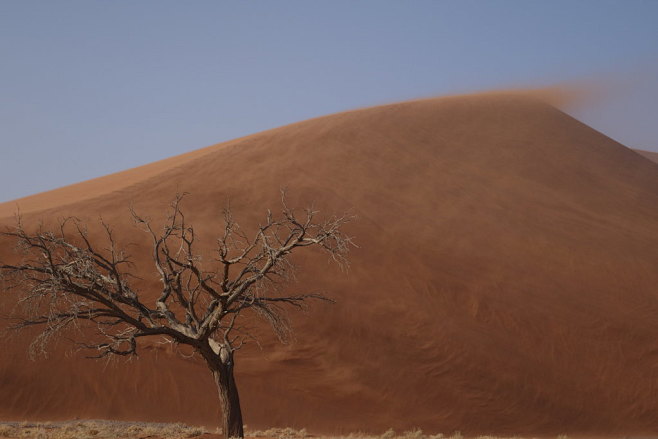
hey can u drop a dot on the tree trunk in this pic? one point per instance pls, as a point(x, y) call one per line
point(228, 396)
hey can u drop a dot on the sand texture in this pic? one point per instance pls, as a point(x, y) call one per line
point(506, 280)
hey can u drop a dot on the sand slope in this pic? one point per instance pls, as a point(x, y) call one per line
point(505, 280)
point(653, 156)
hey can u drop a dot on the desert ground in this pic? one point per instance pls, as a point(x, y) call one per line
point(504, 282)
point(99, 429)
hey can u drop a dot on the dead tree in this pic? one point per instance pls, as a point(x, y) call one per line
point(67, 281)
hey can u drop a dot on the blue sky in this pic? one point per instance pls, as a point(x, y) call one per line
point(90, 87)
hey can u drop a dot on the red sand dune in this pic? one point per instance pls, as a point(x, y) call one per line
point(505, 281)
point(653, 156)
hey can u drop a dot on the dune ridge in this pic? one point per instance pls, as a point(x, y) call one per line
point(504, 281)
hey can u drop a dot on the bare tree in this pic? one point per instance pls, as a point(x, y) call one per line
point(67, 281)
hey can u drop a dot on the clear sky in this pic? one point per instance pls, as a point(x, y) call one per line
point(90, 87)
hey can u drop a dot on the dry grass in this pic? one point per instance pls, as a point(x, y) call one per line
point(97, 430)
point(290, 433)
point(144, 430)
point(279, 433)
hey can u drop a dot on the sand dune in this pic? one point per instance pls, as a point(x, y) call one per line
point(653, 156)
point(505, 280)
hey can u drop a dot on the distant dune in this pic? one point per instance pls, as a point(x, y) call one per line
point(653, 156)
point(505, 281)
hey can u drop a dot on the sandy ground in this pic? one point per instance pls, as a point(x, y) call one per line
point(505, 280)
